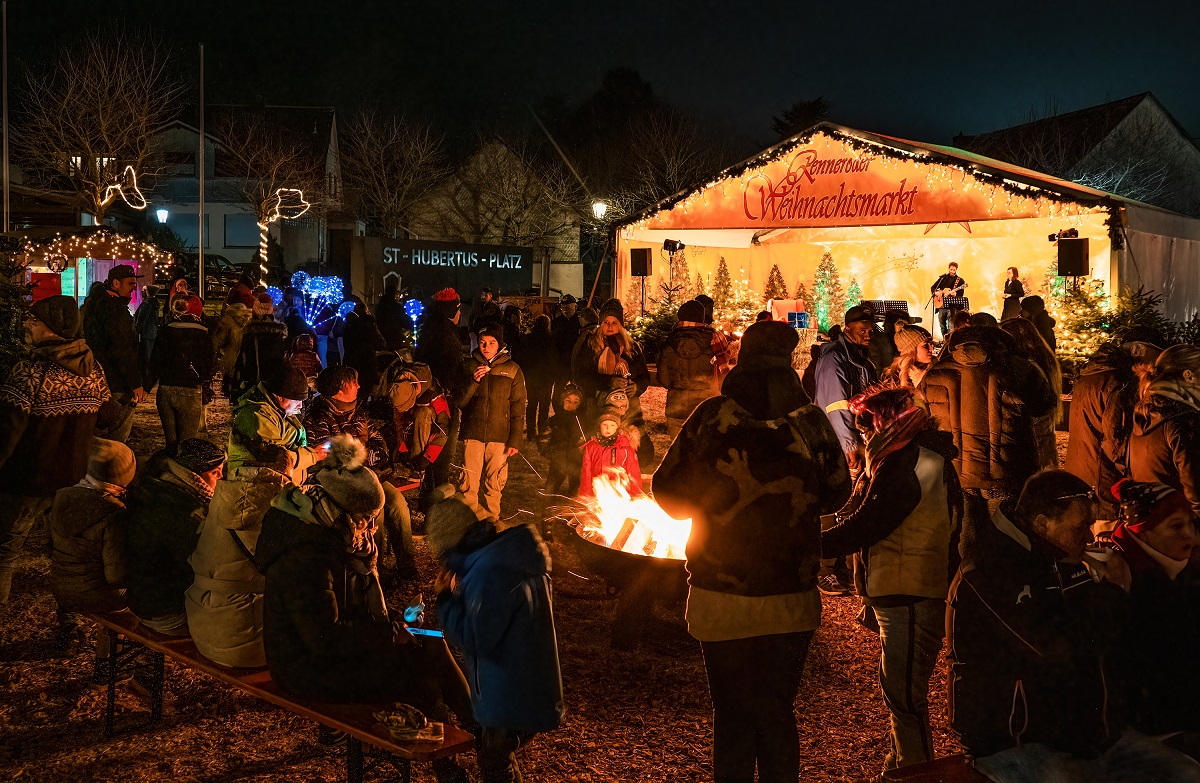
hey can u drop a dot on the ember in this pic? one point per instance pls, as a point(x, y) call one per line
point(631, 524)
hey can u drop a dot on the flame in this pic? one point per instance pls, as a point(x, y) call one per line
point(632, 524)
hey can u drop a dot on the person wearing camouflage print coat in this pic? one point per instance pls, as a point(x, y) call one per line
point(754, 469)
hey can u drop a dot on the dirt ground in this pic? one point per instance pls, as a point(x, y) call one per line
point(641, 715)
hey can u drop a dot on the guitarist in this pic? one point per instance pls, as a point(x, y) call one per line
point(949, 284)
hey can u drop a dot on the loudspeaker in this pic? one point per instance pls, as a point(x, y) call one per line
point(639, 262)
point(1073, 258)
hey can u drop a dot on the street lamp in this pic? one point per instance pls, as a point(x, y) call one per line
point(599, 208)
point(161, 213)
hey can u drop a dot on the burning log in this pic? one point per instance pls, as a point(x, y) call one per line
point(623, 534)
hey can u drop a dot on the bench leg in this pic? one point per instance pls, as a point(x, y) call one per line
point(354, 760)
point(111, 707)
point(157, 661)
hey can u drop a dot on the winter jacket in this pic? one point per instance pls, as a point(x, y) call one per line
point(535, 355)
point(110, 333)
point(843, 372)
point(227, 336)
point(183, 356)
point(1044, 323)
point(686, 369)
point(566, 334)
point(87, 564)
point(327, 417)
point(264, 341)
point(493, 408)
point(987, 396)
point(598, 459)
point(240, 293)
point(1156, 655)
point(160, 530)
point(1102, 403)
point(48, 407)
point(258, 421)
point(361, 342)
point(1165, 446)
point(1031, 643)
point(586, 373)
point(501, 616)
point(424, 430)
point(225, 600)
point(439, 346)
point(321, 642)
point(903, 521)
point(755, 491)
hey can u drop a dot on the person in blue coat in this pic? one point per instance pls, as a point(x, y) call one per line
point(494, 604)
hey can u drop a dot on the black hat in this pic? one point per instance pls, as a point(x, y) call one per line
point(289, 384)
point(707, 302)
point(495, 331)
point(566, 299)
point(121, 272)
point(199, 455)
point(767, 345)
point(691, 310)
point(59, 314)
point(860, 313)
point(614, 308)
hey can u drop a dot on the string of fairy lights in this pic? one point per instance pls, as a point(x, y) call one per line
point(284, 204)
point(101, 243)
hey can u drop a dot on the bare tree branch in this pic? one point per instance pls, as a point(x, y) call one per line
point(389, 163)
point(92, 114)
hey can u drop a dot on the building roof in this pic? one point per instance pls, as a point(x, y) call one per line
point(1076, 133)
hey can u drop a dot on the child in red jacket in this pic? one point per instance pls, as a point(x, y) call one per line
point(607, 451)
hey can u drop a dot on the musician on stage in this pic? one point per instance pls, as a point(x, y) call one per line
point(949, 284)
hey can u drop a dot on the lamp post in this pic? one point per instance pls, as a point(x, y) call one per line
point(599, 208)
point(162, 214)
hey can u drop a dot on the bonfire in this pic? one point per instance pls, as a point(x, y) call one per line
point(633, 524)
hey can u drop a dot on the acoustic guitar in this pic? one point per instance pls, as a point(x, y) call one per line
point(941, 293)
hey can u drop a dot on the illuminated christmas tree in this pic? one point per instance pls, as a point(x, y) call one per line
point(681, 277)
point(698, 288)
point(801, 293)
point(742, 304)
point(829, 300)
point(721, 287)
point(776, 288)
point(853, 293)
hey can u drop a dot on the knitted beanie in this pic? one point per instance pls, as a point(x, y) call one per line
point(767, 345)
point(588, 316)
point(263, 305)
point(199, 455)
point(446, 302)
point(346, 478)
point(614, 308)
point(289, 383)
point(908, 339)
point(447, 521)
point(1150, 504)
point(495, 331)
point(609, 413)
point(691, 310)
point(111, 462)
point(618, 401)
point(59, 314)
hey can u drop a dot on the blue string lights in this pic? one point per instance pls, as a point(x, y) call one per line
point(319, 293)
point(275, 294)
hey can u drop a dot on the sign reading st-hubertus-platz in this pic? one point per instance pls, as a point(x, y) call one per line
point(467, 268)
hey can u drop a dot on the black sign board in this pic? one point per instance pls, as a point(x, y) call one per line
point(467, 268)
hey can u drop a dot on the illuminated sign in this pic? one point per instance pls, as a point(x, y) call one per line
point(431, 265)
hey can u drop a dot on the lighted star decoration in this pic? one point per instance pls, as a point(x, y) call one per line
point(127, 188)
point(284, 204)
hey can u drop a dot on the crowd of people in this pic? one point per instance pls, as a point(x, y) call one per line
point(922, 478)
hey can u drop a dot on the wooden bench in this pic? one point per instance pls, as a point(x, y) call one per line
point(356, 720)
point(949, 769)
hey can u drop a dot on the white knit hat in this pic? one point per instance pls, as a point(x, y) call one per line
point(347, 480)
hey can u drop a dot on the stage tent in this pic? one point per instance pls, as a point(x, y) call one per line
point(893, 213)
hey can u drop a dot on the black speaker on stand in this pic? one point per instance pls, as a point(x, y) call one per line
point(1073, 258)
point(639, 266)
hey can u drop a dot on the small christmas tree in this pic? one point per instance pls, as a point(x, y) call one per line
point(853, 293)
point(801, 294)
point(742, 304)
point(681, 277)
point(698, 288)
point(829, 300)
point(722, 286)
point(776, 288)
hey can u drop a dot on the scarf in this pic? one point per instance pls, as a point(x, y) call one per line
point(88, 482)
point(895, 437)
point(610, 361)
point(182, 477)
point(1178, 391)
point(608, 442)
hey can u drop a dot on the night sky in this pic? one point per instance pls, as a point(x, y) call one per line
point(924, 70)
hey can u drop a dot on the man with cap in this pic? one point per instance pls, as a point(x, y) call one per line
point(182, 365)
point(87, 563)
point(493, 424)
point(48, 408)
point(485, 313)
point(110, 332)
point(844, 371)
point(269, 415)
point(161, 528)
point(687, 366)
point(327, 630)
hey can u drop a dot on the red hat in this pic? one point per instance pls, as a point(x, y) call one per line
point(1147, 504)
point(195, 306)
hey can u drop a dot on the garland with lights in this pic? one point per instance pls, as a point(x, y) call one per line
point(103, 243)
point(276, 209)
